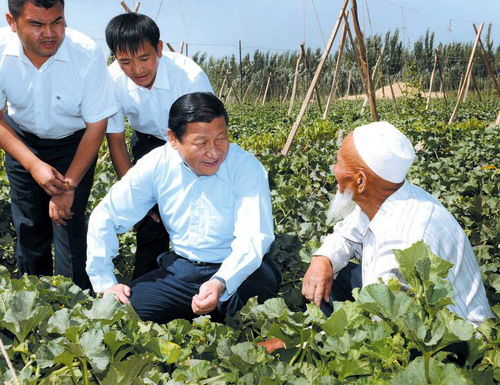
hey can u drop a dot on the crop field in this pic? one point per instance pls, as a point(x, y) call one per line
point(53, 333)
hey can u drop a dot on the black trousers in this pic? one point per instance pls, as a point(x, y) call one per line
point(30, 212)
point(166, 293)
point(152, 237)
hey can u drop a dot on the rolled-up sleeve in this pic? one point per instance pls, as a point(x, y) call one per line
point(126, 203)
point(345, 241)
point(253, 227)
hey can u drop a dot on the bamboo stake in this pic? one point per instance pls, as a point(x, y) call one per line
point(354, 56)
point(487, 63)
point(181, 48)
point(362, 55)
point(137, 6)
point(312, 86)
point(467, 74)
point(295, 78)
point(432, 79)
point(267, 89)
point(246, 91)
point(467, 87)
point(336, 74)
point(498, 118)
point(309, 70)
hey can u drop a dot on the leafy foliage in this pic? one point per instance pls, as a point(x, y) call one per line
point(56, 334)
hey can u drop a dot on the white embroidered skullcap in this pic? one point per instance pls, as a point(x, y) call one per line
point(385, 150)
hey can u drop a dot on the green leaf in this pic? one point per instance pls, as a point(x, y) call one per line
point(126, 372)
point(25, 313)
point(94, 350)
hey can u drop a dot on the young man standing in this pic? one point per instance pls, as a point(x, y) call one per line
point(58, 97)
point(215, 202)
point(146, 82)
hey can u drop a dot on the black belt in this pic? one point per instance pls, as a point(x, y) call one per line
point(169, 257)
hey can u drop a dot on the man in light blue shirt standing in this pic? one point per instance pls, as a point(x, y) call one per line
point(214, 200)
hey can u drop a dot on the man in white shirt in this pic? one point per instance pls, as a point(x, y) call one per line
point(58, 97)
point(146, 82)
point(383, 212)
point(215, 202)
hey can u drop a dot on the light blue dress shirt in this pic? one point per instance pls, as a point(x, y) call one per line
point(223, 218)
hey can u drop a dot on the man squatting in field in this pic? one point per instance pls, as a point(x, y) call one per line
point(58, 96)
point(146, 81)
point(214, 200)
point(382, 212)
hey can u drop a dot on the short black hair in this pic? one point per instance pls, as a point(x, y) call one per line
point(16, 6)
point(194, 107)
point(129, 31)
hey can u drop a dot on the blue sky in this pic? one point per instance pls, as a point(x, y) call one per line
point(215, 26)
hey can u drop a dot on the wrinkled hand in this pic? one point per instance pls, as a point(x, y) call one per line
point(60, 207)
point(51, 180)
point(208, 297)
point(318, 280)
point(120, 291)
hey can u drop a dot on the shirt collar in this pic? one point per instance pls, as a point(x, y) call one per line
point(161, 79)
point(62, 53)
point(382, 217)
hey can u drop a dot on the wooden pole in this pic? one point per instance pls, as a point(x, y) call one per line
point(348, 83)
point(267, 89)
point(467, 74)
point(295, 79)
point(476, 88)
point(170, 47)
point(432, 79)
point(137, 6)
point(125, 7)
point(392, 93)
point(375, 74)
point(181, 48)
point(221, 89)
point(286, 93)
point(487, 63)
point(498, 118)
point(309, 70)
point(467, 87)
point(312, 86)
point(246, 91)
point(336, 74)
point(364, 65)
point(441, 75)
point(354, 56)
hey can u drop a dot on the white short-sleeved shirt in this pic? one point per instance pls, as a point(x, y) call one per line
point(147, 109)
point(70, 89)
point(407, 216)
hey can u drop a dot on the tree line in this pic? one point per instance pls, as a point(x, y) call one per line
point(247, 81)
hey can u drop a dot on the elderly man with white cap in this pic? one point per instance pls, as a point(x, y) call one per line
point(382, 212)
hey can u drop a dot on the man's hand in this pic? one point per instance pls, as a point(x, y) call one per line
point(120, 291)
point(51, 180)
point(318, 280)
point(60, 207)
point(208, 297)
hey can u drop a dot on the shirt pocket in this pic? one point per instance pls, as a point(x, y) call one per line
point(67, 104)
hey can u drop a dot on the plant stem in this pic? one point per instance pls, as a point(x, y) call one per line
point(427, 358)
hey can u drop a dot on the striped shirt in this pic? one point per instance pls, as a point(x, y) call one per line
point(408, 216)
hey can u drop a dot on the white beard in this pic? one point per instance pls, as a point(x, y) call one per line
point(341, 206)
